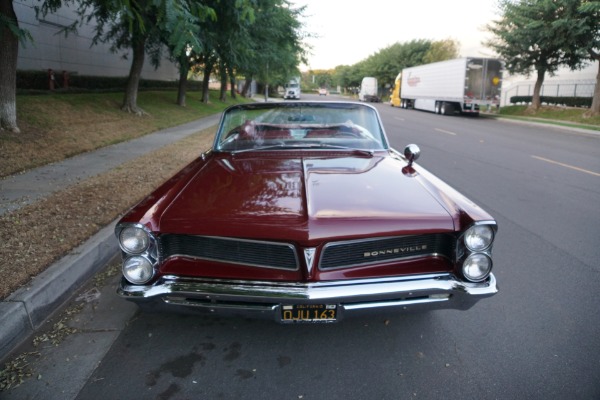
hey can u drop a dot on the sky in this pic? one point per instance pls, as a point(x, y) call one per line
point(350, 30)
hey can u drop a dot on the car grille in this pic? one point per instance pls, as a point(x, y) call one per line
point(245, 252)
point(364, 252)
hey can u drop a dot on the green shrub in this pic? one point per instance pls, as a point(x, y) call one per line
point(34, 81)
point(566, 101)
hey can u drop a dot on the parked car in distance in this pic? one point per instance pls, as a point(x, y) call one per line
point(322, 92)
point(301, 212)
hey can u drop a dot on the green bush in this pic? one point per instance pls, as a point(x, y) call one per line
point(566, 101)
point(34, 81)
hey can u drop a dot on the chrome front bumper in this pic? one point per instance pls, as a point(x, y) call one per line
point(265, 299)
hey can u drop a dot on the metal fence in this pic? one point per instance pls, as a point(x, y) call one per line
point(580, 88)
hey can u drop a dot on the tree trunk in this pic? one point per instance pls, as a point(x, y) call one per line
point(183, 78)
point(135, 73)
point(205, 82)
point(595, 108)
point(536, 102)
point(223, 94)
point(9, 50)
point(247, 84)
point(232, 82)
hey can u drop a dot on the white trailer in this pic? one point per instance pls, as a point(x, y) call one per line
point(463, 85)
point(368, 90)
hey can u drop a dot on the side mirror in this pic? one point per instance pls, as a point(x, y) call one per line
point(412, 152)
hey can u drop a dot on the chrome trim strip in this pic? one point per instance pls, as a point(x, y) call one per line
point(402, 303)
point(429, 291)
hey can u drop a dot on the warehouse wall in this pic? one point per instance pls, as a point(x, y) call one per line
point(74, 53)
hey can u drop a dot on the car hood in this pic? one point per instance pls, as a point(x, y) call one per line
point(304, 198)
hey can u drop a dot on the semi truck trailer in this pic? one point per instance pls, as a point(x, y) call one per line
point(368, 90)
point(464, 85)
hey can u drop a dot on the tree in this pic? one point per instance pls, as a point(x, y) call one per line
point(223, 35)
point(143, 27)
point(128, 23)
point(341, 77)
point(272, 48)
point(386, 63)
point(583, 24)
point(10, 35)
point(534, 35)
point(441, 50)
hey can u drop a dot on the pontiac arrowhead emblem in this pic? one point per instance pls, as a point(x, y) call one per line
point(309, 257)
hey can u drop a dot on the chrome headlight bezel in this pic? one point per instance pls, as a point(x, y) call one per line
point(479, 237)
point(138, 244)
point(134, 239)
point(477, 267)
point(141, 264)
point(474, 251)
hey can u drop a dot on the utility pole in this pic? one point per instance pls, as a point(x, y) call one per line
point(267, 84)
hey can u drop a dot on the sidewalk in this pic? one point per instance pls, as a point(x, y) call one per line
point(19, 190)
point(25, 310)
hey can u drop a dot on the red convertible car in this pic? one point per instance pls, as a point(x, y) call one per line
point(302, 212)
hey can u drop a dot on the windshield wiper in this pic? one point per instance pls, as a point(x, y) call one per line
point(339, 147)
point(298, 146)
point(269, 147)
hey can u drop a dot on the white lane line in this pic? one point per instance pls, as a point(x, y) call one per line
point(443, 131)
point(566, 165)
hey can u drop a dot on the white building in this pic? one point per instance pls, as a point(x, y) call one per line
point(74, 53)
point(565, 83)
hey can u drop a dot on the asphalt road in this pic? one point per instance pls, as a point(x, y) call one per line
point(537, 339)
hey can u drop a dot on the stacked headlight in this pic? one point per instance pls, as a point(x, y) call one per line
point(134, 240)
point(477, 261)
point(479, 237)
point(139, 253)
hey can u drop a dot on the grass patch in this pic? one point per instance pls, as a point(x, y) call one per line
point(57, 126)
point(38, 234)
point(554, 115)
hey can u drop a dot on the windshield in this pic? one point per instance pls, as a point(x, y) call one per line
point(272, 126)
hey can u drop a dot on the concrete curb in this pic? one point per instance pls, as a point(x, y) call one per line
point(570, 128)
point(25, 310)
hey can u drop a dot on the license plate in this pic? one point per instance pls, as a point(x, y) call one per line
point(309, 313)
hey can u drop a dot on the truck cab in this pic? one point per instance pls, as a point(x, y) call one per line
point(292, 89)
point(395, 91)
